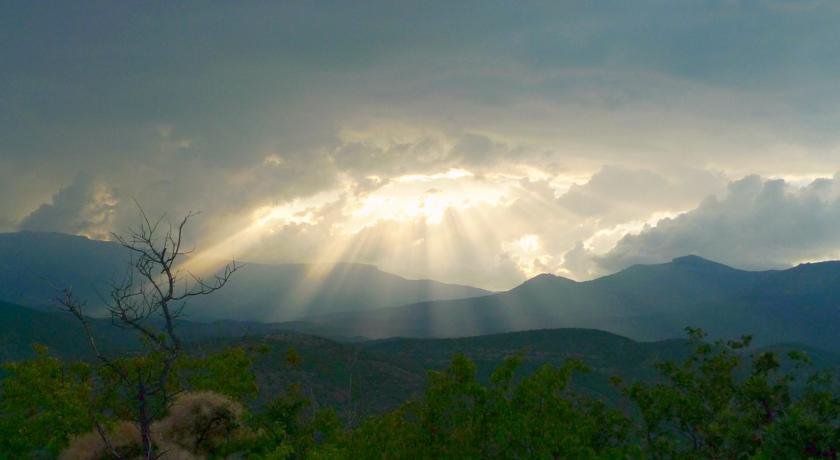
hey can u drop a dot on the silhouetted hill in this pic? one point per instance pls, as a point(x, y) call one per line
point(606, 354)
point(378, 375)
point(280, 292)
point(365, 377)
point(21, 327)
point(644, 302)
point(34, 264)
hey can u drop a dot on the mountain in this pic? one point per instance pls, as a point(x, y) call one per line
point(33, 265)
point(280, 292)
point(643, 302)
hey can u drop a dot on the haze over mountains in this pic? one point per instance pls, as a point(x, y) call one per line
point(21, 327)
point(34, 264)
point(643, 302)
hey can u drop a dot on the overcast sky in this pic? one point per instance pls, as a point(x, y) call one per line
point(474, 142)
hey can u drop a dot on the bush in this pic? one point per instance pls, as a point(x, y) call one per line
point(123, 436)
point(195, 426)
point(198, 423)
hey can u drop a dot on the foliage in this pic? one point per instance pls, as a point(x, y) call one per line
point(714, 405)
point(287, 428)
point(228, 372)
point(458, 417)
point(720, 402)
point(46, 401)
point(43, 402)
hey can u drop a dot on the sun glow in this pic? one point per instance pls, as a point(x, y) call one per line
point(423, 196)
point(293, 213)
point(453, 224)
point(528, 253)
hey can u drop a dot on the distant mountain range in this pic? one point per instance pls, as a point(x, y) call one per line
point(33, 265)
point(644, 302)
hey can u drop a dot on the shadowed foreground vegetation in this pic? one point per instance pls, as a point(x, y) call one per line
point(720, 402)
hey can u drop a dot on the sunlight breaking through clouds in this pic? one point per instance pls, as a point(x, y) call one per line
point(471, 229)
point(533, 138)
point(425, 196)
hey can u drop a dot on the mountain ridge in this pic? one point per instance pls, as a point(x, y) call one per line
point(33, 265)
point(643, 302)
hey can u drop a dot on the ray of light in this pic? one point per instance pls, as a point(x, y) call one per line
point(455, 225)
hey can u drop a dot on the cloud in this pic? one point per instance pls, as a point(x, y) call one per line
point(579, 263)
point(480, 152)
point(616, 194)
point(758, 223)
point(84, 207)
point(385, 152)
point(366, 158)
point(233, 109)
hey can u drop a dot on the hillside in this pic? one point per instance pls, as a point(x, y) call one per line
point(20, 327)
point(34, 264)
point(644, 302)
point(378, 375)
point(368, 377)
point(365, 377)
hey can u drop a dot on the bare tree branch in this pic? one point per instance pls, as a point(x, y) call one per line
point(150, 293)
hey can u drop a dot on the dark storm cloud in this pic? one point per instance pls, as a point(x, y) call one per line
point(87, 81)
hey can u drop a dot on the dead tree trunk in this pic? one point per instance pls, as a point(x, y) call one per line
point(148, 301)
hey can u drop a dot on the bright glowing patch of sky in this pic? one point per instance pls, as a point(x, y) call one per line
point(425, 196)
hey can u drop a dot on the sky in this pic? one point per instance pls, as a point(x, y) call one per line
point(470, 142)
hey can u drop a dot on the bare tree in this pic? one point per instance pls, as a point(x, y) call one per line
point(148, 302)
